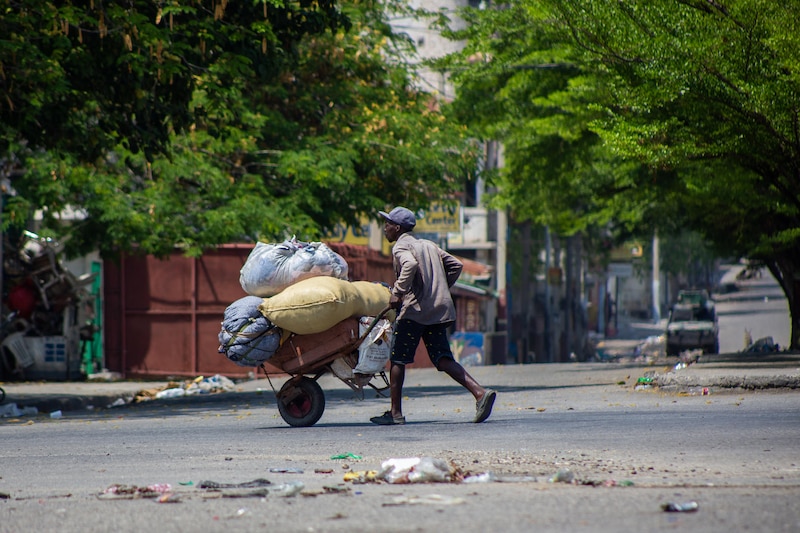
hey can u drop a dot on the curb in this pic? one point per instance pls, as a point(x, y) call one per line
point(673, 381)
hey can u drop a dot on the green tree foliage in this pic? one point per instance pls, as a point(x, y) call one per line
point(675, 114)
point(205, 122)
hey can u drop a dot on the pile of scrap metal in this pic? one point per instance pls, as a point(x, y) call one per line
point(41, 298)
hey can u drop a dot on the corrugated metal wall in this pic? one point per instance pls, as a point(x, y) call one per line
point(162, 317)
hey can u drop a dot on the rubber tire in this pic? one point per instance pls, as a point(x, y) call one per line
point(307, 406)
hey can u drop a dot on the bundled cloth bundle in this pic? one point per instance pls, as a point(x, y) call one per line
point(247, 337)
point(270, 268)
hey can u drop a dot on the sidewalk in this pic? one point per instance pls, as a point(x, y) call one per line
point(713, 372)
point(723, 371)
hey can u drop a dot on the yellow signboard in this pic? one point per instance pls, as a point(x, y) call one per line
point(440, 218)
point(351, 234)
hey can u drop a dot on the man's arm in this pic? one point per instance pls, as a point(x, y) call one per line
point(452, 267)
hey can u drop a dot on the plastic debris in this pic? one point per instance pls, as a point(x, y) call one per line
point(198, 385)
point(416, 470)
point(644, 383)
point(11, 409)
point(56, 414)
point(361, 476)
point(347, 455)
point(686, 507)
point(134, 492)
point(430, 499)
point(260, 482)
point(564, 475)
point(170, 393)
point(486, 477)
point(287, 490)
point(119, 402)
point(763, 345)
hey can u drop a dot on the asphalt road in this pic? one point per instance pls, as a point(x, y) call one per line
point(734, 454)
point(629, 452)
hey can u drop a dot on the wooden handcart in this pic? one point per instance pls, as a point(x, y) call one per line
point(306, 358)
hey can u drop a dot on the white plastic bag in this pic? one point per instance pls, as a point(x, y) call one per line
point(416, 470)
point(270, 268)
point(375, 350)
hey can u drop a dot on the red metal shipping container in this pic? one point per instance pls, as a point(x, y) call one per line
point(162, 317)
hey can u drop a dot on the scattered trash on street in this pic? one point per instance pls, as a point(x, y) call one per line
point(417, 470)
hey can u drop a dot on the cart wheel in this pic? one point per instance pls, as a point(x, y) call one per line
point(301, 402)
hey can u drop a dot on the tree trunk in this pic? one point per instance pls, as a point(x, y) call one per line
point(788, 277)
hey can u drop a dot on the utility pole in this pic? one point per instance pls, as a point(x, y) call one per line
point(656, 279)
point(548, 319)
point(523, 346)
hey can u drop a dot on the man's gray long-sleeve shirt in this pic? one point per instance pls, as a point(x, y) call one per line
point(425, 274)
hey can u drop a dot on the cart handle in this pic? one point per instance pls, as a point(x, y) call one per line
point(374, 323)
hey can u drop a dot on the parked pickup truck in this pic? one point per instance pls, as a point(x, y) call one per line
point(692, 324)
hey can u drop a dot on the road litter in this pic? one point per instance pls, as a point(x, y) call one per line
point(199, 385)
point(685, 507)
point(119, 402)
point(260, 482)
point(763, 345)
point(430, 499)
point(417, 470)
point(286, 470)
point(11, 410)
point(564, 475)
point(486, 477)
point(134, 492)
point(346, 455)
point(262, 488)
point(361, 476)
point(336, 489)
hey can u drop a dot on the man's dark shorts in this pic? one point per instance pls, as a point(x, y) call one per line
point(407, 334)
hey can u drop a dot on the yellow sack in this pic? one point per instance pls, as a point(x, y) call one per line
point(317, 304)
point(373, 298)
point(312, 305)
